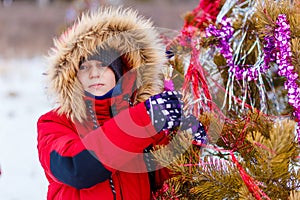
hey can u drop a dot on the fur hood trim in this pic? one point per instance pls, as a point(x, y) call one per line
point(121, 29)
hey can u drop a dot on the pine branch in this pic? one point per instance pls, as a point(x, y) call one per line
point(296, 53)
point(272, 165)
point(235, 131)
point(273, 158)
point(195, 177)
point(244, 194)
point(294, 195)
point(213, 179)
point(268, 10)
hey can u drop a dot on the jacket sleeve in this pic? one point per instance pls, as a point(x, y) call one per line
point(124, 137)
point(84, 162)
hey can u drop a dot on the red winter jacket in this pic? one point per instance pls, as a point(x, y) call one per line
point(106, 163)
point(103, 157)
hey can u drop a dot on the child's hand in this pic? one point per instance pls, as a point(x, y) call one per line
point(197, 129)
point(165, 110)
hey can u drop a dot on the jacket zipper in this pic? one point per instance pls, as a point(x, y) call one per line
point(95, 126)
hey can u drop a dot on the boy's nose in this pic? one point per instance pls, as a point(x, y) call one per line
point(95, 72)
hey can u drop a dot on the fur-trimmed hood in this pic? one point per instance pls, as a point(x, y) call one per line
point(121, 29)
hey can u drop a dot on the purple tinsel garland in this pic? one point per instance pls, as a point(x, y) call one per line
point(269, 52)
point(224, 35)
point(282, 37)
point(276, 48)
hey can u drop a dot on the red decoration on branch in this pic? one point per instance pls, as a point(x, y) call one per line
point(249, 182)
point(204, 14)
point(195, 23)
point(195, 78)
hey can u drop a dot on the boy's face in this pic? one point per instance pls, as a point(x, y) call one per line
point(96, 78)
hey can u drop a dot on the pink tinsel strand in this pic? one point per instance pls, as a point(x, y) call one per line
point(224, 34)
point(285, 67)
point(169, 85)
point(283, 59)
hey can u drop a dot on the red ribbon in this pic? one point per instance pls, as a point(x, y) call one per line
point(249, 182)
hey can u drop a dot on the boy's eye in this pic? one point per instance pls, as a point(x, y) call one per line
point(99, 65)
point(82, 67)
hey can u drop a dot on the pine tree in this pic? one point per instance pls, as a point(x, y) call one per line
point(238, 70)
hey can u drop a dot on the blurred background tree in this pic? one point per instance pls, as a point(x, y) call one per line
point(29, 28)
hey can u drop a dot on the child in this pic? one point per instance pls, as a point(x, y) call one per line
point(106, 75)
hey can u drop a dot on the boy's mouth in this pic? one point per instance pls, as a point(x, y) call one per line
point(96, 85)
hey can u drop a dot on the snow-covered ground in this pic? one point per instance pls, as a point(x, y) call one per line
point(23, 100)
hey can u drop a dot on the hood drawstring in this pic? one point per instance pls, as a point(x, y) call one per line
point(89, 106)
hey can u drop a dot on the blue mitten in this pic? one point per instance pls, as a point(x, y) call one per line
point(165, 110)
point(196, 127)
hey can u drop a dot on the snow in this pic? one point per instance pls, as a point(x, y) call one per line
point(23, 100)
